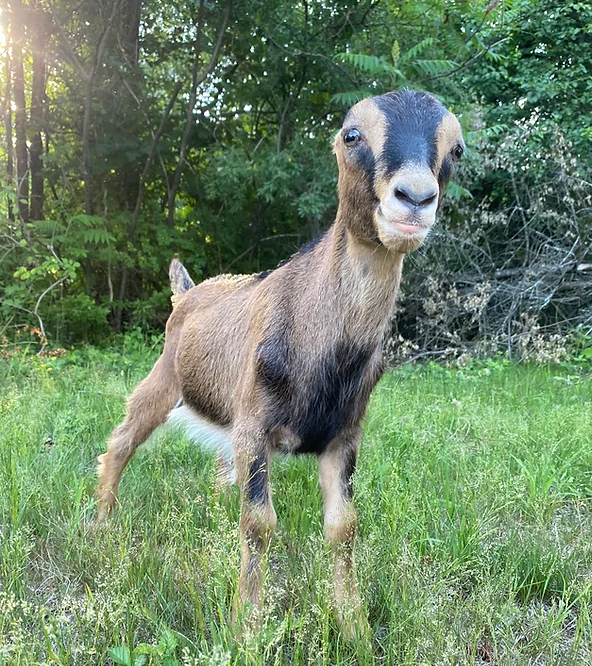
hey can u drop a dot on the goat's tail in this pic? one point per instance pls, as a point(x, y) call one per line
point(181, 281)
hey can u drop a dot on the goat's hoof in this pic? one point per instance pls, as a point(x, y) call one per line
point(245, 619)
point(104, 512)
point(354, 626)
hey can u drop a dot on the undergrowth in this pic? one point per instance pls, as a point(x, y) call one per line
point(474, 494)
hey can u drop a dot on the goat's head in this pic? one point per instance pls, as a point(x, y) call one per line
point(395, 154)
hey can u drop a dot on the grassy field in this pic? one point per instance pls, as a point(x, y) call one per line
point(474, 496)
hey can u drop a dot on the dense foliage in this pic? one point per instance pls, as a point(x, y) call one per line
point(136, 130)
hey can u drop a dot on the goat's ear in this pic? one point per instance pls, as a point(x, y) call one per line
point(180, 279)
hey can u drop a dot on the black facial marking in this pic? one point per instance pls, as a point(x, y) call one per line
point(445, 171)
point(412, 121)
point(363, 156)
point(257, 486)
point(361, 196)
point(349, 467)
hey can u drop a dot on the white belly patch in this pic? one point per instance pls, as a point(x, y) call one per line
point(209, 436)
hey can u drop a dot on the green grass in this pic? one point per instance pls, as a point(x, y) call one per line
point(474, 496)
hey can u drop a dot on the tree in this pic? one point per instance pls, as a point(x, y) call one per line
point(137, 130)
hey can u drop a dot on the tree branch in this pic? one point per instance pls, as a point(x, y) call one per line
point(195, 82)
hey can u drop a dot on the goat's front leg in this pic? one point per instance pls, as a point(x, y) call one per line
point(336, 468)
point(252, 452)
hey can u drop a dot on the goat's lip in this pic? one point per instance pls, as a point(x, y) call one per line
point(408, 228)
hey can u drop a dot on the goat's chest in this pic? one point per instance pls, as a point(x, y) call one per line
point(315, 396)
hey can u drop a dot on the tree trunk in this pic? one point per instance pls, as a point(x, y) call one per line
point(20, 114)
point(129, 31)
point(89, 79)
point(86, 168)
point(38, 104)
point(8, 134)
point(132, 230)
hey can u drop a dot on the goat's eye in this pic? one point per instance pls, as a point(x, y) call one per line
point(352, 137)
point(458, 152)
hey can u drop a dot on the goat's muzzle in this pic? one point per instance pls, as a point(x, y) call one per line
point(408, 202)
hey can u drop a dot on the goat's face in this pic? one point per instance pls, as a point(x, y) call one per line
point(395, 154)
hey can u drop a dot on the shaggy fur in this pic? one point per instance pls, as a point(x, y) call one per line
point(286, 360)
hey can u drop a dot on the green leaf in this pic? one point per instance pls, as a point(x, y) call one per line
point(455, 191)
point(349, 98)
point(416, 50)
point(434, 67)
point(170, 639)
point(121, 655)
point(88, 220)
point(367, 63)
point(395, 52)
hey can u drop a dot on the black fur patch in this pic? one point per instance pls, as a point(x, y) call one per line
point(180, 279)
point(262, 275)
point(329, 399)
point(364, 157)
point(360, 197)
point(305, 249)
point(273, 367)
point(349, 467)
point(187, 283)
point(412, 121)
point(257, 485)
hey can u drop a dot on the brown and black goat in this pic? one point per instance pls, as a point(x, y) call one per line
point(286, 360)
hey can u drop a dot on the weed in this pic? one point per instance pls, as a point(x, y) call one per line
point(473, 490)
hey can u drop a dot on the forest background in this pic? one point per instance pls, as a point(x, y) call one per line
point(134, 130)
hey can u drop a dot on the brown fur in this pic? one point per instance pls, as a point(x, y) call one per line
point(288, 361)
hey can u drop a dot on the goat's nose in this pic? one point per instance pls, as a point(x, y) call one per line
point(415, 197)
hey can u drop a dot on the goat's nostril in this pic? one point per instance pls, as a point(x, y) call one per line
point(403, 194)
point(415, 198)
point(432, 196)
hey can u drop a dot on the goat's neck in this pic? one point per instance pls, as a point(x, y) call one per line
point(365, 278)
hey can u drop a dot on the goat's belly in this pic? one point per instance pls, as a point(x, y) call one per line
point(209, 364)
point(208, 435)
point(315, 428)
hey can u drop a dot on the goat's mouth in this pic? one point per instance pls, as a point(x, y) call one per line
point(402, 232)
point(403, 225)
point(409, 228)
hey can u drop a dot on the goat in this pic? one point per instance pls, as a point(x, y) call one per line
point(286, 360)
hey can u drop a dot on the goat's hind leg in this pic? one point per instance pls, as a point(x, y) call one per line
point(147, 409)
